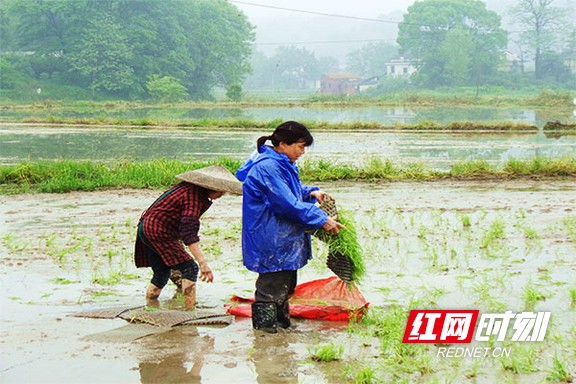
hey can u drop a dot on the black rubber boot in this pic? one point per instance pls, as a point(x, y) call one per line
point(283, 315)
point(264, 317)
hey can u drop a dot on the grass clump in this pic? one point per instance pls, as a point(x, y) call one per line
point(327, 352)
point(67, 175)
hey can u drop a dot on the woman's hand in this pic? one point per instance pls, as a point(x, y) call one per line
point(332, 226)
point(318, 195)
point(206, 274)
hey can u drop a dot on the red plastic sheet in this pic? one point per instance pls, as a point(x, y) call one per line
point(324, 299)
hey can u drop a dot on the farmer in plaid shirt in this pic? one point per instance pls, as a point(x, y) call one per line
point(169, 228)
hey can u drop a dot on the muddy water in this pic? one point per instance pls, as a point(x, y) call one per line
point(430, 243)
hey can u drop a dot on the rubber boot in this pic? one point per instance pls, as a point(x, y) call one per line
point(264, 317)
point(283, 315)
point(152, 294)
point(189, 291)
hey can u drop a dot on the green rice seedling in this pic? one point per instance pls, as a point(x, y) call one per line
point(113, 278)
point(573, 296)
point(388, 324)
point(487, 299)
point(570, 225)
point(346, 243)
point(428, 297)
point(531, 233)
point(14, 243)
point(327, 352)
point(545, 274)
point(559, 372)
point(523, 360)
point(49, 241)
point(532, 295)
point(465, 219)
point(496, 231)
point(360, 375)
point(103, 294)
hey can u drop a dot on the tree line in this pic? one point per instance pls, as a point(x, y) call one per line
point(176, 50)
point(129, 49)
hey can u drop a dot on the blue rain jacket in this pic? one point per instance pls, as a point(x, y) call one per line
point(276, 211)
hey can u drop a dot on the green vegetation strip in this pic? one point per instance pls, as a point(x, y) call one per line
point(234, 124)
point(66, 175)
point(443, 96)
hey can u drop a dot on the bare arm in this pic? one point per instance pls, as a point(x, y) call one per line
point(206, 274)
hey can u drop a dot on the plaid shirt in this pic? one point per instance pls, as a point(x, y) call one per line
point(173, 220)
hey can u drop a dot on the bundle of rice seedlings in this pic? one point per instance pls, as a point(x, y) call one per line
point(344, 251)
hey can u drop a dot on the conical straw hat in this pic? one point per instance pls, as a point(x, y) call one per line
point(215, 178)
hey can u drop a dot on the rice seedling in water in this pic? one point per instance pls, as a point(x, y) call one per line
point(14, 243)
point(573, 296)
point(532, 295)
point(362, 375)
point(559, 372)
point(62, 281)
point(496, 231)
point(487, 299)
point(570, 225)
point(396, 357)
point(523, 360)
point(327, 352)
point(465, 219)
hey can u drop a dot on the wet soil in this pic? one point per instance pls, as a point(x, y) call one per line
point(64, 253)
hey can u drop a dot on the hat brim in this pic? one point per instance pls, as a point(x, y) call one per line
point(215, 178)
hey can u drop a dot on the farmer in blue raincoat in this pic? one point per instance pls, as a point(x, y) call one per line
point(277, 210)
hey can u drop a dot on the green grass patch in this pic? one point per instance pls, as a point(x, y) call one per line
point(67, 175)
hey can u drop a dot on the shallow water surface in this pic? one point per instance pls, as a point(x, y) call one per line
point(434, 149)
point(426, 245)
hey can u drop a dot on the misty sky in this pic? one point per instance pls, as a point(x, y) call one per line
point(359, 8)
point(329, 34)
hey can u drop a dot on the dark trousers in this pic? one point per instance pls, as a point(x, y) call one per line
point(276, 287)
point(189, 269)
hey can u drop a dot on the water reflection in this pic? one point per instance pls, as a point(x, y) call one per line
point(388, 115)
point(181, 364)
point(436, 150)
point(273, 360)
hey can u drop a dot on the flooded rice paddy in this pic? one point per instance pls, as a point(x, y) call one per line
point(433, 149)
point(492, 246)
point(386, 115)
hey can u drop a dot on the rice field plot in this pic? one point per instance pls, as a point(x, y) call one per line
point(491, 247)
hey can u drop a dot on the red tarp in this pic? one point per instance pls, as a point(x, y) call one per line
point(324, 299)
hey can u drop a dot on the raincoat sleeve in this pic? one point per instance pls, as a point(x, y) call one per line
point(306, 190)
point(283, 202)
